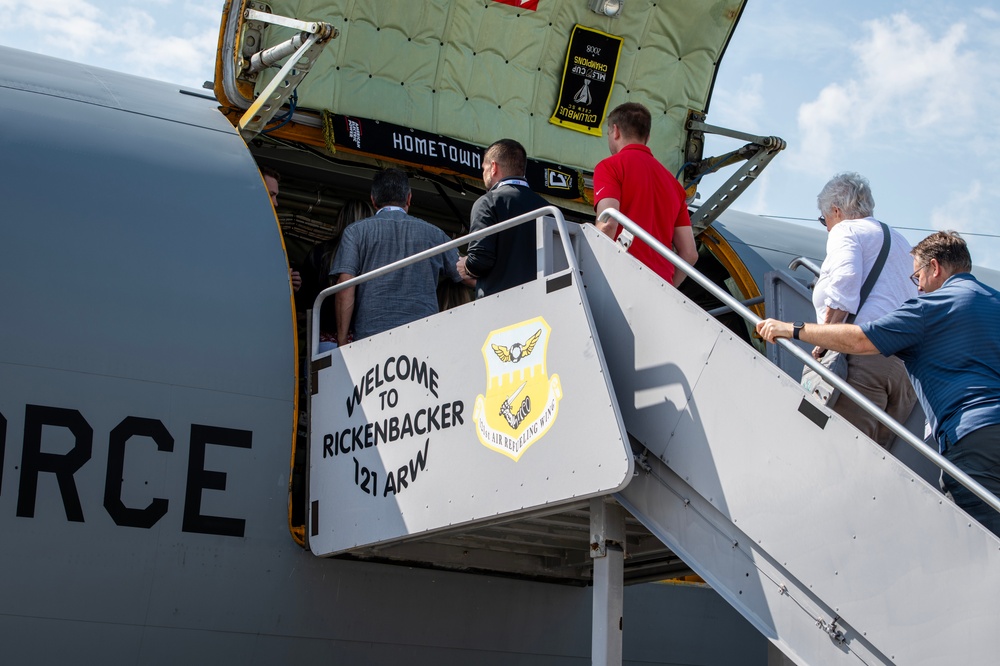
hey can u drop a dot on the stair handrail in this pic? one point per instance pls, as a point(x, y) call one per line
point(940, 461)
point(434, 251)
point(805, 263)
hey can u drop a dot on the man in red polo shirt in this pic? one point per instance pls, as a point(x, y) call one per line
point(634, 182)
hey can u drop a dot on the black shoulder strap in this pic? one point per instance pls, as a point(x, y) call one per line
point(876, 270)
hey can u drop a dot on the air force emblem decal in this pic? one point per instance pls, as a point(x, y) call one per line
point(521, 401)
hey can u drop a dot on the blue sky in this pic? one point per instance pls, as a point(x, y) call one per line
point(905, 92)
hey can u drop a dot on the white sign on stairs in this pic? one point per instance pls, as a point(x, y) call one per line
point(498, 407)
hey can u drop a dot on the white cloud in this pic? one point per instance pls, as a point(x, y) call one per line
point(962, 211)
point(159, 40)
point(741, 109)
point(906, 83)
point(971, 211)
point(901, 62)
point(789, 31)
point(820, 123)
point(987, 13)
point(755, 199)
point(149, 51)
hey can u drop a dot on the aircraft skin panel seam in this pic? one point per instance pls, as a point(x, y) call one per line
point(52, 92)
point(94, 102)
point(145, 381)
point(692, 387)
point(701, 373)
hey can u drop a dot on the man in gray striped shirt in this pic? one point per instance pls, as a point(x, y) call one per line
point(948, 339)
point(392, 234)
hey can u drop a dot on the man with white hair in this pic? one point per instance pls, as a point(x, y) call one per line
point(853, 247)
point(947, 338)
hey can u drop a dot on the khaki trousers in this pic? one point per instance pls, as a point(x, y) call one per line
point(883, 381)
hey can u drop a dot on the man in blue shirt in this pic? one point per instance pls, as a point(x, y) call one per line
point(948, 339)
point(391, 234)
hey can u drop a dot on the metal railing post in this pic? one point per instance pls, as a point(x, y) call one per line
point(434, 251)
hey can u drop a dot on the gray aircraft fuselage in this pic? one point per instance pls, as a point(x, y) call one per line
point(147, 410)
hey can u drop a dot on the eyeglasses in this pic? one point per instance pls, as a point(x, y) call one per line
point(915, 278)
point(822, 218)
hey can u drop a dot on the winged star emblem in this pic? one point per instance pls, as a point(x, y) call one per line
point(516, 351)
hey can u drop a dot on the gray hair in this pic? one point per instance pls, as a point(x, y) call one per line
point(850, 192)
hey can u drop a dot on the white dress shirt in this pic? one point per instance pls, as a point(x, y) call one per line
point(852, 247)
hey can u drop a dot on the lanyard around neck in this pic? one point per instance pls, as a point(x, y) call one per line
point(510, 181)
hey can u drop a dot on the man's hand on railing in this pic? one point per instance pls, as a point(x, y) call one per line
point(608, 226)
point(772, 329)
point(468, 279)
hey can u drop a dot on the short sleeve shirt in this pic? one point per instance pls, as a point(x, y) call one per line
point(649, 195)
point(404, 295)
point(948, 340)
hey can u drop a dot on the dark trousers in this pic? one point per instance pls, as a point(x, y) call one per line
point(978, 455)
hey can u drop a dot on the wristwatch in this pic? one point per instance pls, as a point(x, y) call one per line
point(797, 328)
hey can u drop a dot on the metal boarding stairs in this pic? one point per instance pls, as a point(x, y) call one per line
point(831, 547)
